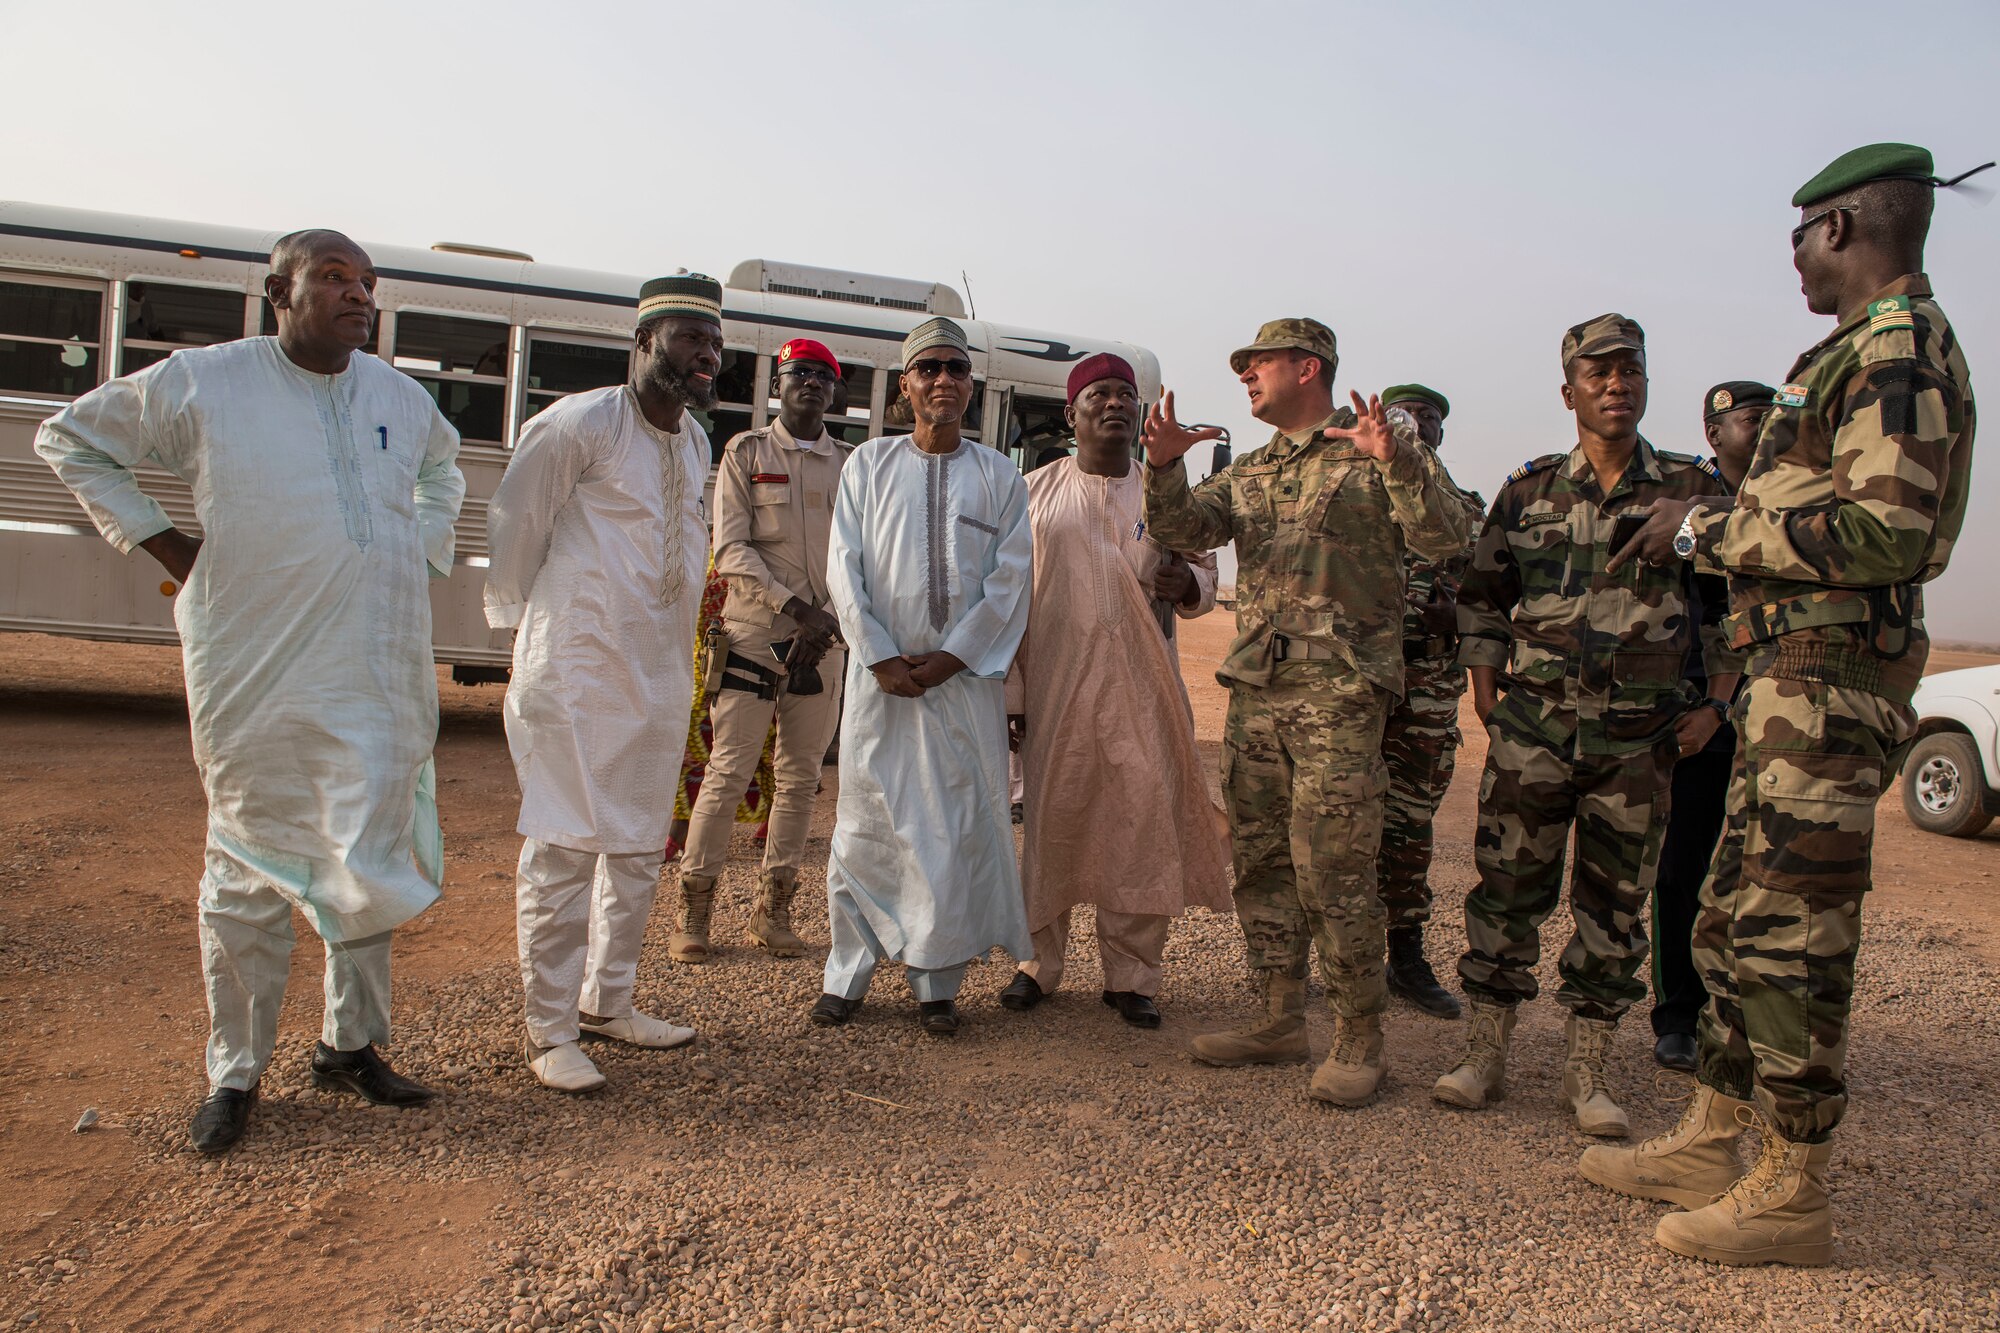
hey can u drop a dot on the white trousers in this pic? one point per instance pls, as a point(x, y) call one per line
point(851, 962)
point(246, 956)
point(1130, 945)
point(738, 723)
point(580, 919)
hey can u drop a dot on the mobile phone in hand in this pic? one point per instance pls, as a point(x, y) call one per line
point(1624, 530)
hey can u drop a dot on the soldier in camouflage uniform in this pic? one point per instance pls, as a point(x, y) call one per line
point(1321, 517)
point(1591, 660)
point(1420, 741)
point(1853, 501)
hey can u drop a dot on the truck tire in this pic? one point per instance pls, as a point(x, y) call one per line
point(1944, 787)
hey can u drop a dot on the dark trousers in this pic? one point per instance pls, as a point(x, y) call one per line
point(1701, 788)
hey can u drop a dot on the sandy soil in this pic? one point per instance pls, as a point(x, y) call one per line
point(1056, 1170)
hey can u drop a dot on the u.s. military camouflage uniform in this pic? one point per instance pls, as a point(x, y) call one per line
point(1420, 740)
point(1591, 665)
point(1320, 532)
point(1856, 494)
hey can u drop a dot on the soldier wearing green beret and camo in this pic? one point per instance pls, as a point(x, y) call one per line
point(1420, 741)
point(1321, 517)
point(1855, 496)
point(1586, 734)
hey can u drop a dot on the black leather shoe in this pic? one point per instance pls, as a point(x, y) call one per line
point(221, 1120)
point(1022, 994)
point(1136, 1009)
point(1675, 1050)
point(832, 1011)
point(1410, 974)
point(938, 1017)
point(1014, 812)
point(366, 1074)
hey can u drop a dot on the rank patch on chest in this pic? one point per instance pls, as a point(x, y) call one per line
point(770, 476)
point(1791, 395)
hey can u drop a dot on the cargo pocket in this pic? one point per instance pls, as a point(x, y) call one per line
point(1646, 696)
point(1812, 821)
point(768, 509)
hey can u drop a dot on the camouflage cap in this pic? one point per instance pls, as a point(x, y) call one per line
point(1606, 333)
point(1403, 393)
point(1302, 335)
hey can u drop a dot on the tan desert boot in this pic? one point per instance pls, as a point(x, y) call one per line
point(690, 942)
point(1352, 1072)
point(1584, 1085)
point(1777, 1214)
point(1279, 1040)
point(770, 927)
point(1480, 1077)
point(1689, 1164)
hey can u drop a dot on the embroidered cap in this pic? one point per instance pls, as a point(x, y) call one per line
point(939, 332)
point(688, 295)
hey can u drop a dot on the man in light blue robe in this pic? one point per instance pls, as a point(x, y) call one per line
point(327, 485)
point(928, 571)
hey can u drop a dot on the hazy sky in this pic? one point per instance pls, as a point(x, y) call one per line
point(1447, 185)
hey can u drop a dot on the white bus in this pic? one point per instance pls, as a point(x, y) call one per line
point(494, 336)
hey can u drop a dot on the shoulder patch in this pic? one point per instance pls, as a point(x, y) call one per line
point(1534, 465)
point(1891, 312)
point(1708, 465)
point(1675, 456)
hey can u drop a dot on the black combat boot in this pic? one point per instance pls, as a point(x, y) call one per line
point(1410, 974)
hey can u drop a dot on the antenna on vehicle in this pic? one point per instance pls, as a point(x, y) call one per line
point(970, 304)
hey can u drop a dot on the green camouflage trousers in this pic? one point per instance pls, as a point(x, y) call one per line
point(1535, 787)
point(1780, 919)
point(1420, 749)
point(1303, 779)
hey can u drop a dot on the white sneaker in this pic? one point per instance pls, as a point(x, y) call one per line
point(564, 1068)
point(639, 1029)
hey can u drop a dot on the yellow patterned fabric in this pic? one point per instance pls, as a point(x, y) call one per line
point(755, 807)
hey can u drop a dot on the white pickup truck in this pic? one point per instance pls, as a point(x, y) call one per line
point(1951, 780)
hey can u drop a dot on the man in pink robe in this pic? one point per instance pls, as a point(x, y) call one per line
point(1116, 809)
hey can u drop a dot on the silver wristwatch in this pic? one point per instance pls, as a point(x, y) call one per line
point(1684, 539)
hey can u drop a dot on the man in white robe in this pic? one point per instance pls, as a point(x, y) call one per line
point(1117, 808)
point(928, 572)
point(326, 484)
point(599, 547)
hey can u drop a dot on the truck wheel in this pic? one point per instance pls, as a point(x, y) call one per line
point(1944, 788)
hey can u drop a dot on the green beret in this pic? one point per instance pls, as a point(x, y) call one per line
point(1403, 393)
point(1732, 394)
point(1875, 162)
point(688, 295)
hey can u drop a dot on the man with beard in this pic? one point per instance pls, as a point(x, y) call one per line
point(598, 550)
point(1117, 807)
point(327, 485)
point(1584, 738)
point(773, 514)
point(1853, 502)
point(929, 572)
point(1321, 517)
point(1732, 414)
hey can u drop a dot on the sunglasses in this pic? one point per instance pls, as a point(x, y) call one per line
point(1799, 232)
point(930, 368)
point(798, 370)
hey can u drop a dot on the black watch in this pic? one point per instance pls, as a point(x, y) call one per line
point(1721, 708)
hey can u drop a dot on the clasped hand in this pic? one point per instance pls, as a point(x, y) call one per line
point(910, 674)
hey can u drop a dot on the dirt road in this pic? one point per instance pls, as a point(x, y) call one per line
point(1056, 1170)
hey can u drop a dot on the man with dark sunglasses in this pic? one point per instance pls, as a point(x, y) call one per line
point(779, 645)
point(928, 573)
point(1854, 499)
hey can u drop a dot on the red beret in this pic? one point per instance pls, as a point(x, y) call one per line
point(1103, 366)
point(805, 349)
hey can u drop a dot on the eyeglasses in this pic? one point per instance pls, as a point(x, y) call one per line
point(1799, 232)
point(930, 368)
point(805, 371)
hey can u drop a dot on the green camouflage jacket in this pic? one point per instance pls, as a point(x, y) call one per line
point(1855, 496)
point(1424, 580)
point(1600, 654)
point(1320, 533)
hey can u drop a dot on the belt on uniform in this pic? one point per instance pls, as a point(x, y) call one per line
point(1284, 648)
point(1437, 645)
point(1816, 662)
point(740, 673)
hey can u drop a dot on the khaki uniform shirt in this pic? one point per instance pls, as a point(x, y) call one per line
point(773, 520)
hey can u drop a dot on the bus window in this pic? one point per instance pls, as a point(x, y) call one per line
point(560, 367)
point(267, 323)
point(1037, 425)
point(735, 392)
point(49, 335)
point(160, 319)
point(847, 416)
point(462, 363)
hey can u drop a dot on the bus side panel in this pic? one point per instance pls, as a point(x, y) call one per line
point(458, 613)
